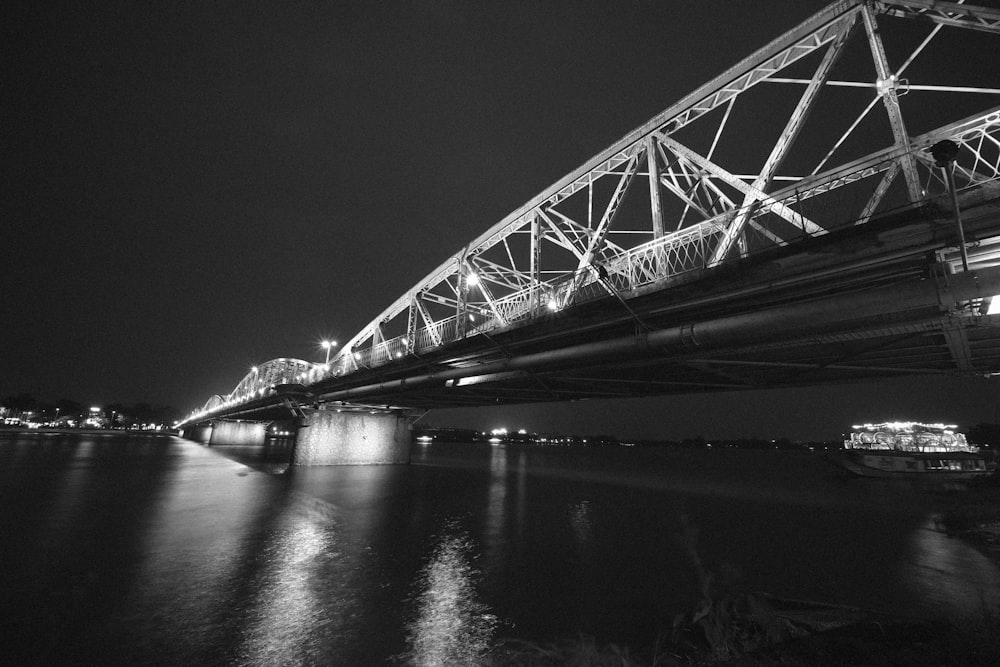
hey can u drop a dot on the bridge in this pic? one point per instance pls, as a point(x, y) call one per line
point(826, 210)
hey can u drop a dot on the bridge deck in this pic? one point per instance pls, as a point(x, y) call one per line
point(861, 302)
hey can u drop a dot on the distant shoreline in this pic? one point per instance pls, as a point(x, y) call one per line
point(91, 431)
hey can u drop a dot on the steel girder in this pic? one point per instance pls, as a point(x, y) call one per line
point(263, 379)
point(944, 13)
point(216, 402)
point(707, 200)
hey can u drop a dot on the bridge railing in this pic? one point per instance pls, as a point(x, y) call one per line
point(664, 258)
point(520, 304)
point(646, 264)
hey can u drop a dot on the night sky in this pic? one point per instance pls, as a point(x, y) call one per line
point(191, 188)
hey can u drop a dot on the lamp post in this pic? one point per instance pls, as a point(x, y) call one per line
point(328, 345)
point(945, 152)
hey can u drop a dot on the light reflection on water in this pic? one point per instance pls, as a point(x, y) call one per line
point(68, 492)
point(581, 522)
point(285, 606)
point(496, 506)
point(451, 625)
point(194, 558)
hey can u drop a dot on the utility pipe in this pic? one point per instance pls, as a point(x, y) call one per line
point(745, 328)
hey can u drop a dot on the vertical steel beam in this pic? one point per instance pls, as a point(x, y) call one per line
point(887, 90)
point(655, 206)
point(536, 261)
point(460, 294)
point(590, 201)
point(411, 324)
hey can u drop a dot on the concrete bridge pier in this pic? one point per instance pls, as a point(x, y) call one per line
point(331, 437)
point(238, 433)
point(198, 432)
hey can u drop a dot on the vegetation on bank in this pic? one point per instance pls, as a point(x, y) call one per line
point(731, 628)
point(728, 627)
point(746, 630)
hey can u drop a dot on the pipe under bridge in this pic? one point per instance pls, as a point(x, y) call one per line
point(825, 210)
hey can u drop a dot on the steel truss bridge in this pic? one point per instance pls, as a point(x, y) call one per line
point(747, 236)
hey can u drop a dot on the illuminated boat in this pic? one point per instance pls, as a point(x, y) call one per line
point(911, 450)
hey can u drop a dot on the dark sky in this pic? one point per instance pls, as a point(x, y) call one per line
point(194, 187)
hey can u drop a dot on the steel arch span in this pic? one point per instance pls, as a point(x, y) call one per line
point(263, 380)
point(825, 128)
point(216, 402)
point(579, 239)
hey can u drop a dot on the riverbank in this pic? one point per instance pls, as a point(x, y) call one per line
point(973, 515)
point(777, 638)
point(970, 513)
point(741, 629)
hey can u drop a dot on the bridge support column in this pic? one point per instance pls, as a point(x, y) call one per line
point(238, 433)
point(197, 432)
point(328, 437)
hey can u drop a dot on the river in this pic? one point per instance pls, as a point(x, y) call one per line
point(139, 549)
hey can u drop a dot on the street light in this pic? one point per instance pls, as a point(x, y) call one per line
point(945, 153)
point(328, 345)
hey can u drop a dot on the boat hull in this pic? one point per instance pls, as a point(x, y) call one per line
point(886, 464)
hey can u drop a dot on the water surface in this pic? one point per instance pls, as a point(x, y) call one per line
point(155, 550)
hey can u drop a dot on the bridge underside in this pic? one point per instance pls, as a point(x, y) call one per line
point(889, 352)
point(872, 301)
point(886, 299)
